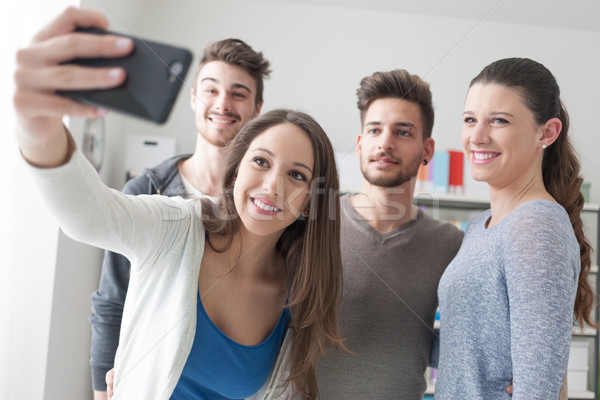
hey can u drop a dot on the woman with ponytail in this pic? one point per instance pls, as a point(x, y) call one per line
point(509, 299)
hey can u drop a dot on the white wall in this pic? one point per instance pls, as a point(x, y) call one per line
point(45, 278)
point(318, 54)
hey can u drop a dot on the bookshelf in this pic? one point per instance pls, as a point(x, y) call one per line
point(462, 208)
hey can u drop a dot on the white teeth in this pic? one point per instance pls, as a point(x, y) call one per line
point(222, 121)
point(483, 156)
point(264, 206)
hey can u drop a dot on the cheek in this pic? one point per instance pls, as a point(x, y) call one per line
point(239, 194)
point(203, 103)
point(464, 139)
point(364, 150)
point(297, 199)
point(251, 108)
point(237, 199)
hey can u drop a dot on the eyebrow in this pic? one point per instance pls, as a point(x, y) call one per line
point(492, 114)
point(234, 86)
point(399, 123)
point(295, 163)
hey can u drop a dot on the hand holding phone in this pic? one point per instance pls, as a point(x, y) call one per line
point(155, 74)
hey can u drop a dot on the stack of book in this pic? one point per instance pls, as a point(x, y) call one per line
point(449, 173)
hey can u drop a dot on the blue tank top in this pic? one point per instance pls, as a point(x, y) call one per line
point(220, 368)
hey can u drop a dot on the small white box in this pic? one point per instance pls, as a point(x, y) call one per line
point(577, 379)
point(146, 152)
point(578, 356)
point(349, 172)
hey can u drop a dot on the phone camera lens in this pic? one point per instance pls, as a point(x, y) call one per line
point(175, 69)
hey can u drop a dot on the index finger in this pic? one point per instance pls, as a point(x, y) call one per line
point(70, 19)
point(74, 45)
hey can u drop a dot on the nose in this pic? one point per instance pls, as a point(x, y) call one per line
point(223, 102)
point(478, 134)
point(272, 182)
point(386, 142)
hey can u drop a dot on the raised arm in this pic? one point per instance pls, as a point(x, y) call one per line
point(43, 139)
point(85, 208)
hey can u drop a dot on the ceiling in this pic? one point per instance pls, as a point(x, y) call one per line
point(572, 14)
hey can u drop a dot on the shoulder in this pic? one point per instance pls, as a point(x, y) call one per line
point(346, 208)
point(535, 217)
point(439, 229)
point(169, 164)
point(540, 230)
point(137, 185)
point(152, 178)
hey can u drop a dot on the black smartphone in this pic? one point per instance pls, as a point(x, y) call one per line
point(155, 73)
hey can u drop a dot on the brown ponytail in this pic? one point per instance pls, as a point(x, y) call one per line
point(560, 169)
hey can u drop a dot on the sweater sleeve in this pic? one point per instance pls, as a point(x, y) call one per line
point(541, 270)
point(88, 211)
point(107, 302)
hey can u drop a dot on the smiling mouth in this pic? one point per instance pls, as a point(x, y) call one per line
point(384, 158)
point(484, 156)
point(264, 206)
point(218, 120)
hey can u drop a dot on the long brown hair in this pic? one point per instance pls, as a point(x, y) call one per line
point(311, 247)
point(560, 166)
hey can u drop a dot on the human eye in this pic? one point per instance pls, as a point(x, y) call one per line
point(297, 175)
point(239, 95)
point(372, 131)
point(499, 121)
point(260, 161)
point(403, 133)
point(469, 120)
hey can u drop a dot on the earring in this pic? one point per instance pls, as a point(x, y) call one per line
point(306, 212)
point(425, 162)
point(544, 147)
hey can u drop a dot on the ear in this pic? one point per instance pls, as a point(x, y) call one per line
point(358, 148)
point(428, 149)
point(193, 99)
point(258, 108)
point(550, 131)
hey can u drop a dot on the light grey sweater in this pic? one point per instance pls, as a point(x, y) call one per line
point(506, 306)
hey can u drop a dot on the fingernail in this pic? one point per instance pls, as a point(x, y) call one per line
point(123, 43)
point(115, 73)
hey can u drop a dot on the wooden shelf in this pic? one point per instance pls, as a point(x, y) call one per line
point(587, 331)
point(573, 394)
point(461, 201)
point(578, 394)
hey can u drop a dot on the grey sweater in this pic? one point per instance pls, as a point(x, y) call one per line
point(506, 306)
point(388, 307)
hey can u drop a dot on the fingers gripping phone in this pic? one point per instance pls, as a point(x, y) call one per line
point(155, 73)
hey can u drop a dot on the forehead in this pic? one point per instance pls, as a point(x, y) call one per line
point(493, 97)
point(227, 75)
point(393, 110)
point(287, 142)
